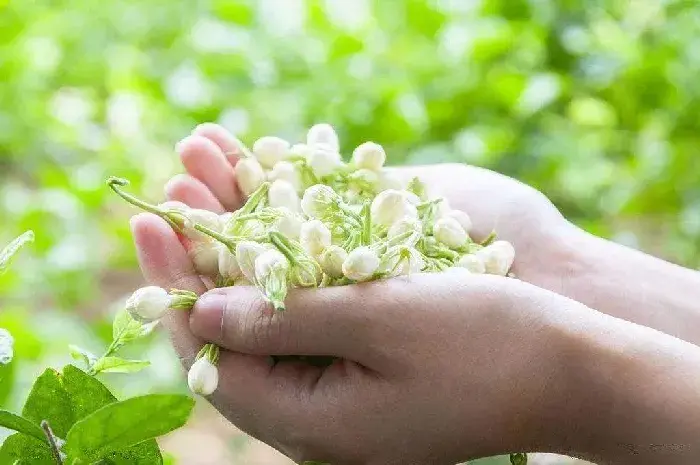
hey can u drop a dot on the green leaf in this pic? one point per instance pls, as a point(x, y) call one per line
point(119, 365)
point(88, 394)
point(126, 423)
point(518, 459)
point(7, 377)
point(126, 329)
point(21, 425)
point(21, 449)
point(140, 454)
point(12, 248)
point(81, 355)
point(49, 401)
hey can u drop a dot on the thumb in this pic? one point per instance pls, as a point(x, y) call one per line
point(327, 321)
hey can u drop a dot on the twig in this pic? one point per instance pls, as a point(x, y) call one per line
point(52, 442)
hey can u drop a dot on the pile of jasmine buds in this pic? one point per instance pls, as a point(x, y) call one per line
point(313, 220)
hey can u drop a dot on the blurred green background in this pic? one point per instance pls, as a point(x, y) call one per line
point(595, 103)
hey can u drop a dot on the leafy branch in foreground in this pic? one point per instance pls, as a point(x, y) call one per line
point(71, 417)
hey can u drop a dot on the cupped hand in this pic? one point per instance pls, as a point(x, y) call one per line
point(433, 369)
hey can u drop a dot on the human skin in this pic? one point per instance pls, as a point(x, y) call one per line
point(435, 369)
point(558, 377)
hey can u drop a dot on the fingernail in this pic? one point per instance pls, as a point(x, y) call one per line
point(207, 315)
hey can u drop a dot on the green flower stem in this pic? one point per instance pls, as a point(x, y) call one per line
point(228, 241)
point(425, 205)
point(489, 239)
point(280, 242)
point(213, 354)
point(254, 200)
point(350, 213)
point(210, 351)
point(174, 220)
point(367, 224)
point(182, 300)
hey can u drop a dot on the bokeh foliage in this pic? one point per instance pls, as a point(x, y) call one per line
point(593, 102)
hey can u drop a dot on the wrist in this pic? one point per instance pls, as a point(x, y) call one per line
point(623, 282)
point(631, 394)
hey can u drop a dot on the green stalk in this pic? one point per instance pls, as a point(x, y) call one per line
point(280, 242)
point(367, 224)
point(116, 183)
point(489, 239)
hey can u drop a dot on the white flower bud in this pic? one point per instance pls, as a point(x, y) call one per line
point(224, 220)
point(323, 133)
point(314, 237)
point(271, 275)
point(270, 149)
point(361, 264)
point(318, 199)
point(203, 377)
point(299, 150)
point(148, 304)
point(396, 263)
point(370, 156)
point(246, 254)
point(288, 224)
point(472, 262)
point(250, 175)
point(366, 176)
point(286, 171)
point(388, 179)
point(498, 257)
point(390, 206)
point(205, 257)
point(462, 218)
point(203, 217)
point(174, 205)
point(458, 270)
point(269, 262)
point(228, 265)
point(331, 261)
point(252, 228)
point(449, 232)
point(323, 160)
point(283, 194)
point(403, 226)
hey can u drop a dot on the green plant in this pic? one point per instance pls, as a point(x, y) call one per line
point(71, 417)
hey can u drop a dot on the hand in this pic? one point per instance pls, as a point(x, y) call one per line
point(435, 369)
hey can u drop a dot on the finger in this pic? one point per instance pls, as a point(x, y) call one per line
point(205, 161)
point(164, 263)
point(193, 193)
point(226, 141)
point(328, 321)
